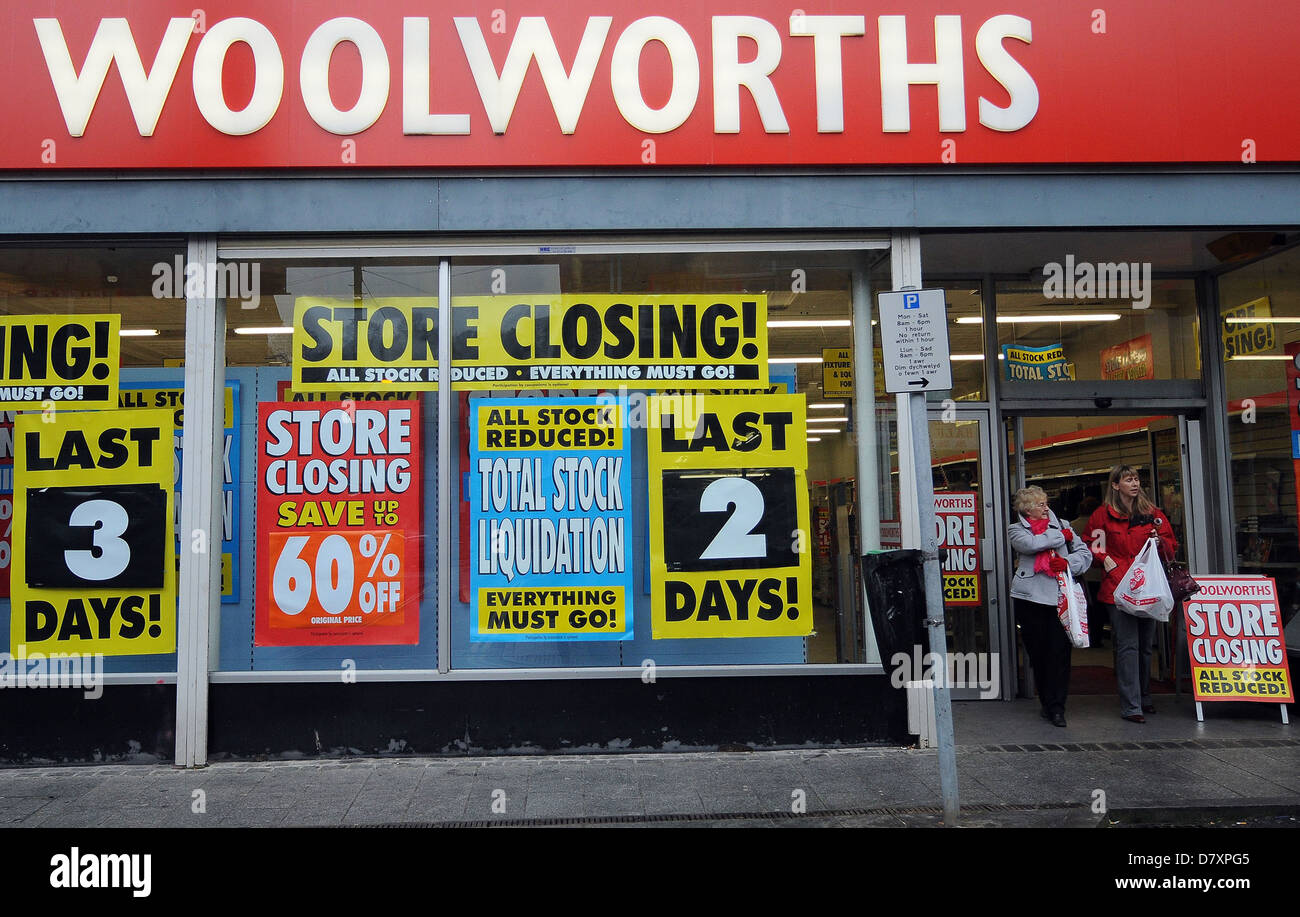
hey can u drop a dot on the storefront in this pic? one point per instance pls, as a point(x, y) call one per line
point(314, 211)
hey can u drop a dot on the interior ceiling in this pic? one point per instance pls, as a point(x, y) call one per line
point(977, 253)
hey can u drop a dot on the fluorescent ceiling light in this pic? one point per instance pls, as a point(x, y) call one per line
point(265, 329)
point(1262, 356)
point(819, 432)
point(809, 323)
point(794, 360)
point(826, 405)
point(138, 332)
point(1043, 319)
point(1264, 320)
point(820, 419)
point(965, 356)
point(814, 439)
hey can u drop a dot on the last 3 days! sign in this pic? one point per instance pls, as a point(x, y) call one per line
point(338, 523)
point(94, 559)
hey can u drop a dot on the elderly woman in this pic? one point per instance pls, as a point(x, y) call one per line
point(1044, 546)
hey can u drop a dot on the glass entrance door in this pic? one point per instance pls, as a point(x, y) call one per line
point(971, 542)
point(1070, 457)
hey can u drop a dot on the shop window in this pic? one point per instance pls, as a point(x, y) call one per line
point(570, 505)
point(88, 553)
point(1051, 331)
point(1260, 324)
point(337, 511)
point(722, 605)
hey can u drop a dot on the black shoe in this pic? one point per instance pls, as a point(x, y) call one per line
point(1135, 717)
point(1148, 708)
point(1058, 719)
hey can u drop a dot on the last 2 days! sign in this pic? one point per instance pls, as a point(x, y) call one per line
point(730, 487)
point(94, 560)
point(338, 523)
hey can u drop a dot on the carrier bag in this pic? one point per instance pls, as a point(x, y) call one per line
point(1144, 591)
point(1072, 609)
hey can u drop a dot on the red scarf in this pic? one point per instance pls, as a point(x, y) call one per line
point(1042, 560)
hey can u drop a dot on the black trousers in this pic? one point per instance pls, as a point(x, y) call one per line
point(1049, 652)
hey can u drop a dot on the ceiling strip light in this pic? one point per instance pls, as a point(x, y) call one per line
point(809, 323)
point(265, 329)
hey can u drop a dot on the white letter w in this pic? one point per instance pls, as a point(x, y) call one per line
point(533, 39)
point(113, 42)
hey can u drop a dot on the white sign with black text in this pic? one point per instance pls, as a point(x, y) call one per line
point(914, 341)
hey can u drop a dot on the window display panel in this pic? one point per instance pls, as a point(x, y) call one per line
point(335, 467)
point(1057, 330)
point(1259, 307)
point(636, 443)
point(91, 406)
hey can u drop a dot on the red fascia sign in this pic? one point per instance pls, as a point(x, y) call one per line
point(158, 84)
point(338, 523)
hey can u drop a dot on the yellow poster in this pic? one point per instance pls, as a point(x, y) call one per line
point(365, 344)
point(66, 360)
point(156, 395)
point(729, 543)
point(837, 371)
point(94, 560)
point(680, 341)
point(1247, 329)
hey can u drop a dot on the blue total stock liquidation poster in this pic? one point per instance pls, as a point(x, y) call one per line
point(550, 519)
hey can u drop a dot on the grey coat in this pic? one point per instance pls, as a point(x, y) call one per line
point(1042, 587)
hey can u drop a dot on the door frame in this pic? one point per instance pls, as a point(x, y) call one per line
point(1192, 447)
point(995, 562)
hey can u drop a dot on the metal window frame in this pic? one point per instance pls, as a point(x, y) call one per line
point(445, 251)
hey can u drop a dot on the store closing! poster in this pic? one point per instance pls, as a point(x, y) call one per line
point(695, 341)
point(731, 489)
point(956, 517)
point(94, 558)
point(70, 360)
point(550, 492)
point(1235, 640)
point(338, 523)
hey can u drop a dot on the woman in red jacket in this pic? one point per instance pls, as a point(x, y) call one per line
point(1117, 531)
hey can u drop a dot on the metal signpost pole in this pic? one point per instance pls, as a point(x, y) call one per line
point(914, 341)
point(934, 619)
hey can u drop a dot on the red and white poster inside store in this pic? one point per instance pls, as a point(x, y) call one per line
point(338, 523)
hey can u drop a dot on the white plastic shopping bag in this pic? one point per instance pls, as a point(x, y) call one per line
point(1144, 590)
point(1072, 609)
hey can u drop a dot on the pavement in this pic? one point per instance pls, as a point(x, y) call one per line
point(1014, 770)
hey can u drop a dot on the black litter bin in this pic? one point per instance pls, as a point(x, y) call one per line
point(895, 586)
